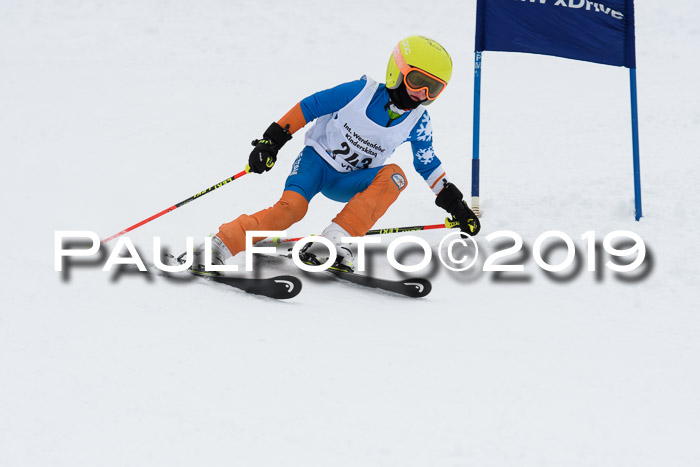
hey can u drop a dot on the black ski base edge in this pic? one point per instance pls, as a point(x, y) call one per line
point(413, 287)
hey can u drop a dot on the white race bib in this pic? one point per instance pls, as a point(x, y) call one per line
point(348, 140)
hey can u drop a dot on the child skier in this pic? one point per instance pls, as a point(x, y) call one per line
point(358, 126)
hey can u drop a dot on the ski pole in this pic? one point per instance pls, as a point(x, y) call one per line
point(449, 224)
point(181, 203)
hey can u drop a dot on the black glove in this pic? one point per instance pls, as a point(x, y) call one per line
point(264, 156)
point(451, 200)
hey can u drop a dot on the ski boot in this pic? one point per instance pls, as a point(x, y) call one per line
point(316, 254)
point(219, 254)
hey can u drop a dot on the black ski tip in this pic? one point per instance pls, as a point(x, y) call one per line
point(279, 287)
point(289, 286)
point(413, 287)
point(417, 287)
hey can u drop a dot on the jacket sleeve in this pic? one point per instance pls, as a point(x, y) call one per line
point(425, 161)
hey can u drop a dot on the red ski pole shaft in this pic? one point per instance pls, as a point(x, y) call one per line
point(181, 203)
point(447, 225)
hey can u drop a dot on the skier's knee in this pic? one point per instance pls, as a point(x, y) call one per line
point(392, 174)
point(365, 208)
point(291, 208)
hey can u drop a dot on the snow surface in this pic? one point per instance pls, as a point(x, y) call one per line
point(113, 111)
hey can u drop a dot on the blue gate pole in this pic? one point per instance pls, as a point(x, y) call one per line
point(635, 146)
point(475, 137)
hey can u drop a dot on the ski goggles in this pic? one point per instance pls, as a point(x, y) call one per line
point(417, 79)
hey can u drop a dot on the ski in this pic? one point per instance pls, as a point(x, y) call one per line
point(279, 287)
point(412, 287)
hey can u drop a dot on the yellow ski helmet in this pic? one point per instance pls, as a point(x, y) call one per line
point(421, 63)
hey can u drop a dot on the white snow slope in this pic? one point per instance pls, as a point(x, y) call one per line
point(113, 111)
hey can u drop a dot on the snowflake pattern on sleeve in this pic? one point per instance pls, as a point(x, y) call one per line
point(425, 128)
point(426, 155)
point(425, 161)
